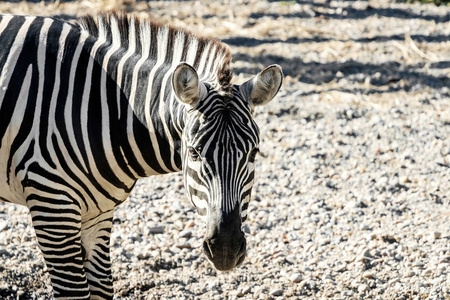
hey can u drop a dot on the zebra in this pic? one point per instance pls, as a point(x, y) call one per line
point(89, 107)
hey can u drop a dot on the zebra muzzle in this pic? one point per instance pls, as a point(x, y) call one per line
point(222, 256)
point(225, 244)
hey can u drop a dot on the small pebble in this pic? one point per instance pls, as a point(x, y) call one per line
point(189, 224)
point(20, 293)
point(410, 274)
point(244, 291)
point(398, 257)
point(276, 292)
point(185, 234)
point(296, 278)
point(362, 288)
point(341, 268)
point(309, 246)
point(3, 225)
point(184, 246)
point(156, 230)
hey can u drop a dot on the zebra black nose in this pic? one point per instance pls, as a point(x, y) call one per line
point(225, 252)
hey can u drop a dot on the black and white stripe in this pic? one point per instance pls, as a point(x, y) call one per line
point(226, 140)
point(88, 108)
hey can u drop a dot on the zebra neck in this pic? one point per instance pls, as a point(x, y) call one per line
point(150, 119)
point(140, 57)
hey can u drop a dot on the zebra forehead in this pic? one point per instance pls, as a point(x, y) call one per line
point(227, 124)
point(218, 102)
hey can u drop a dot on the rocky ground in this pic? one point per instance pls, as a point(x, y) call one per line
point(352, 195)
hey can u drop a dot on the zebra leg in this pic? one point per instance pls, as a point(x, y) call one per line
point(95, 237)
point(57, 224)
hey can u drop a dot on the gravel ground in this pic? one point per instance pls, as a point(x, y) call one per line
point(351, 199)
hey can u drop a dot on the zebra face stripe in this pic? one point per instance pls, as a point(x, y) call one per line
point(219, 141)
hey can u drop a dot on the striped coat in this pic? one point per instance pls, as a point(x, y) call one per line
point(88, 108)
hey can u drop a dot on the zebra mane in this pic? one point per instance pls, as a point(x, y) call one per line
point(210, 57)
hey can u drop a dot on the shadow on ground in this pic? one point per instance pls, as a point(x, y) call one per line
point(361, 13)
point(387, 74)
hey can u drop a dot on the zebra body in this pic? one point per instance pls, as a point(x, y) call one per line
point(88, 108)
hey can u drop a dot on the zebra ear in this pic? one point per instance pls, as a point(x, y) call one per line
point(186, 85)
point(263, 87)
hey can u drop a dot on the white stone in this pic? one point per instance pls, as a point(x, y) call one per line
point(296, 278)
point(276, 292)
point(362, 288)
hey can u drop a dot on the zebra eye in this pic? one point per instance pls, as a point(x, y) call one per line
point(251, 157)
point(193, 154)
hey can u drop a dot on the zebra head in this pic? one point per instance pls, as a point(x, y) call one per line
point(219, 144)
